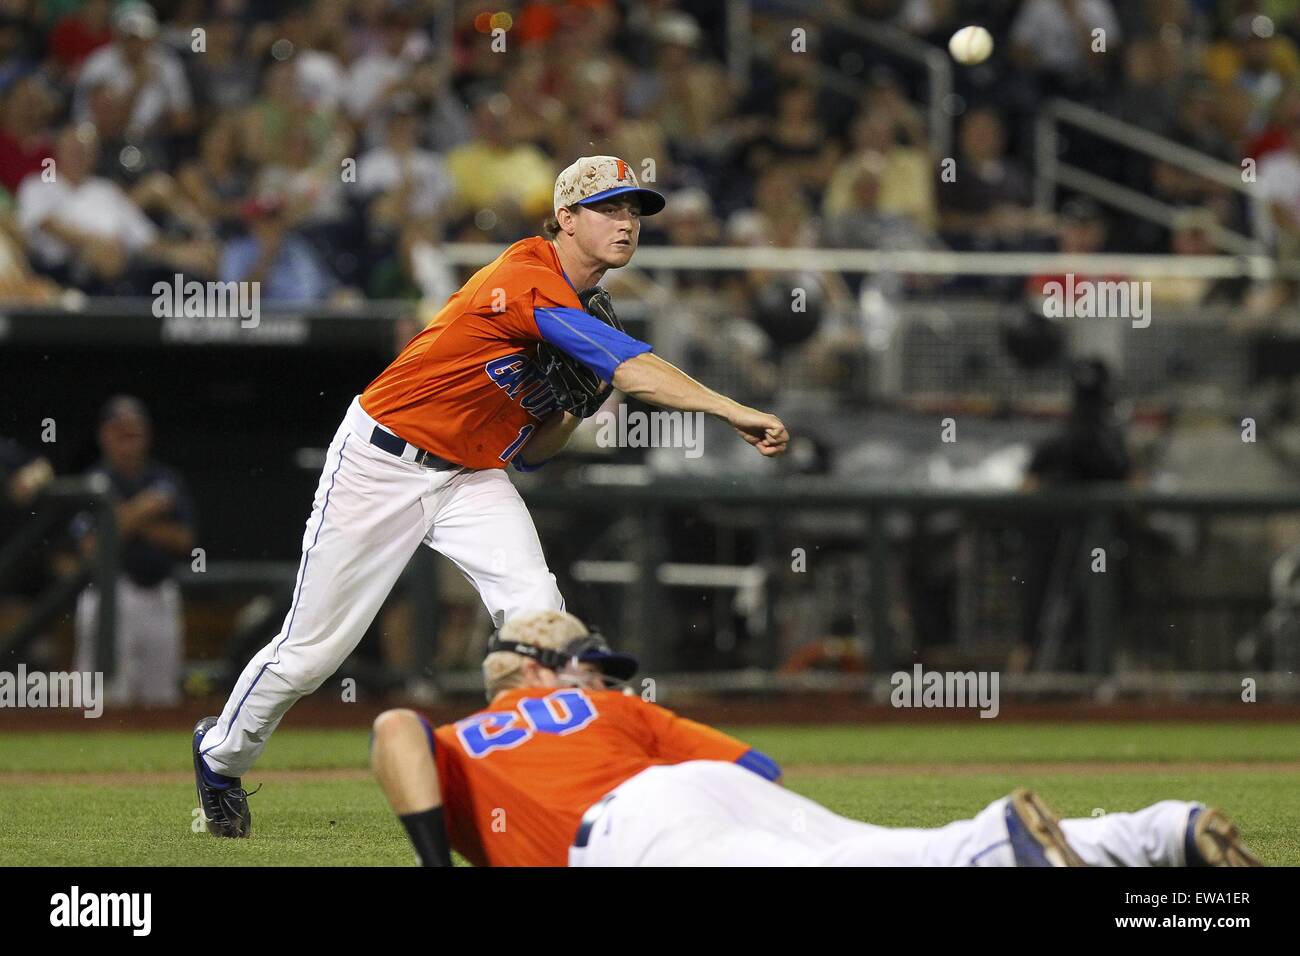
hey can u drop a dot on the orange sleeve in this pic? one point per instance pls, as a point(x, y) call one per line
point(528, 287)
point(677, 739)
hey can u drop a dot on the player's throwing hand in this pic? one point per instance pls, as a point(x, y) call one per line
point(765, 432)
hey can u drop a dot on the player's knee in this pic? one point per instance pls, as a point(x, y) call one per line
point(306, 678)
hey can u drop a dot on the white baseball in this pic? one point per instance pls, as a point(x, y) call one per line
point(971, 45)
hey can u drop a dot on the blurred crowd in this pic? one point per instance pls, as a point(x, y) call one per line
point(329, 147)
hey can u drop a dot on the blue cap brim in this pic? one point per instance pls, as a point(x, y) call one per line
point(651, 201)
point(616, 665)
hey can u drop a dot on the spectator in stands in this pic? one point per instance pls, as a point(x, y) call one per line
point(1148, 97)
point(1278, 187)
point(584, 112)
point(685, 92)
point(25, 141)
point(1196, 123)
point(988, 201)
point(149, 76)
point(223, 77)
point(268, 123)
point(83, 230)
point(78, 34)
point(1276, 134)
point(1055, 39)
point(155, 526)
point(384, 71)
point(795, 140)
point(496, 171)
point(372, 20)
point(314, 32)
point(904, 173)
point(1191, 235)
point(778, 66)
point(285, 264)
point(1201, 126)
point(857, 219)
point(406, 191)
point(885, 98)
point(446, 121)
point(19, 48)
point(217, 181)
point(399, 180)
point(308, 178)
point(124, 155)
point(1256, 61)
point(780, 214)
point(18, 282)
point(594, 121)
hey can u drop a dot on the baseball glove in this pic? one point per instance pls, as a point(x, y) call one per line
point(578, 390)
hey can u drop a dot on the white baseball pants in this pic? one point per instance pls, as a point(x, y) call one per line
point(711, 813)
point(149, 645)
point(372, 510)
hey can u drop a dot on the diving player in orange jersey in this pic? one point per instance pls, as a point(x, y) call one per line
point(560, 770)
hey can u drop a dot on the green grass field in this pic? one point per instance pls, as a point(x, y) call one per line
point(110, 798)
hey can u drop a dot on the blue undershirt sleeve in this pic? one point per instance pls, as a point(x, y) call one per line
point(600, 347)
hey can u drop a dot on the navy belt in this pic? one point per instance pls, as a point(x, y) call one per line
point(590, 819)
point(398, 446)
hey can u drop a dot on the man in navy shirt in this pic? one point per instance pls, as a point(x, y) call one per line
point(155, 520)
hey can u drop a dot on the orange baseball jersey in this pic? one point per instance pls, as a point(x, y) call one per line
point(517, 776)
point(469, 388)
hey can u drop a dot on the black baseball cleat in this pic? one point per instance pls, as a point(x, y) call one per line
point(225, 809)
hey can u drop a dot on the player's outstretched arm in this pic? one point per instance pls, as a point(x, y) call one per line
point(651, 379)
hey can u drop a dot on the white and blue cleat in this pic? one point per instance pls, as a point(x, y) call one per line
point(1035, 834)
point(1212, 840)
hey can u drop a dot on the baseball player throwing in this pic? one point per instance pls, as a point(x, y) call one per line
point(502, 375)
point(559, 770)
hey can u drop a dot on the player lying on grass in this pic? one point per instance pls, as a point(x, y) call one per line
point(561, 769)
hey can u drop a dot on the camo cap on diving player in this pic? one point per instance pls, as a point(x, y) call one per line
point(593, 178)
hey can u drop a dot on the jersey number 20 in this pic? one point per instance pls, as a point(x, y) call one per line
point(563, 712)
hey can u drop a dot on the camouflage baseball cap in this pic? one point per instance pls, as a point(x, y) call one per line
point(593, 178)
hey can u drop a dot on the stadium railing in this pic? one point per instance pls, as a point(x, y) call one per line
point(1052, 172)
